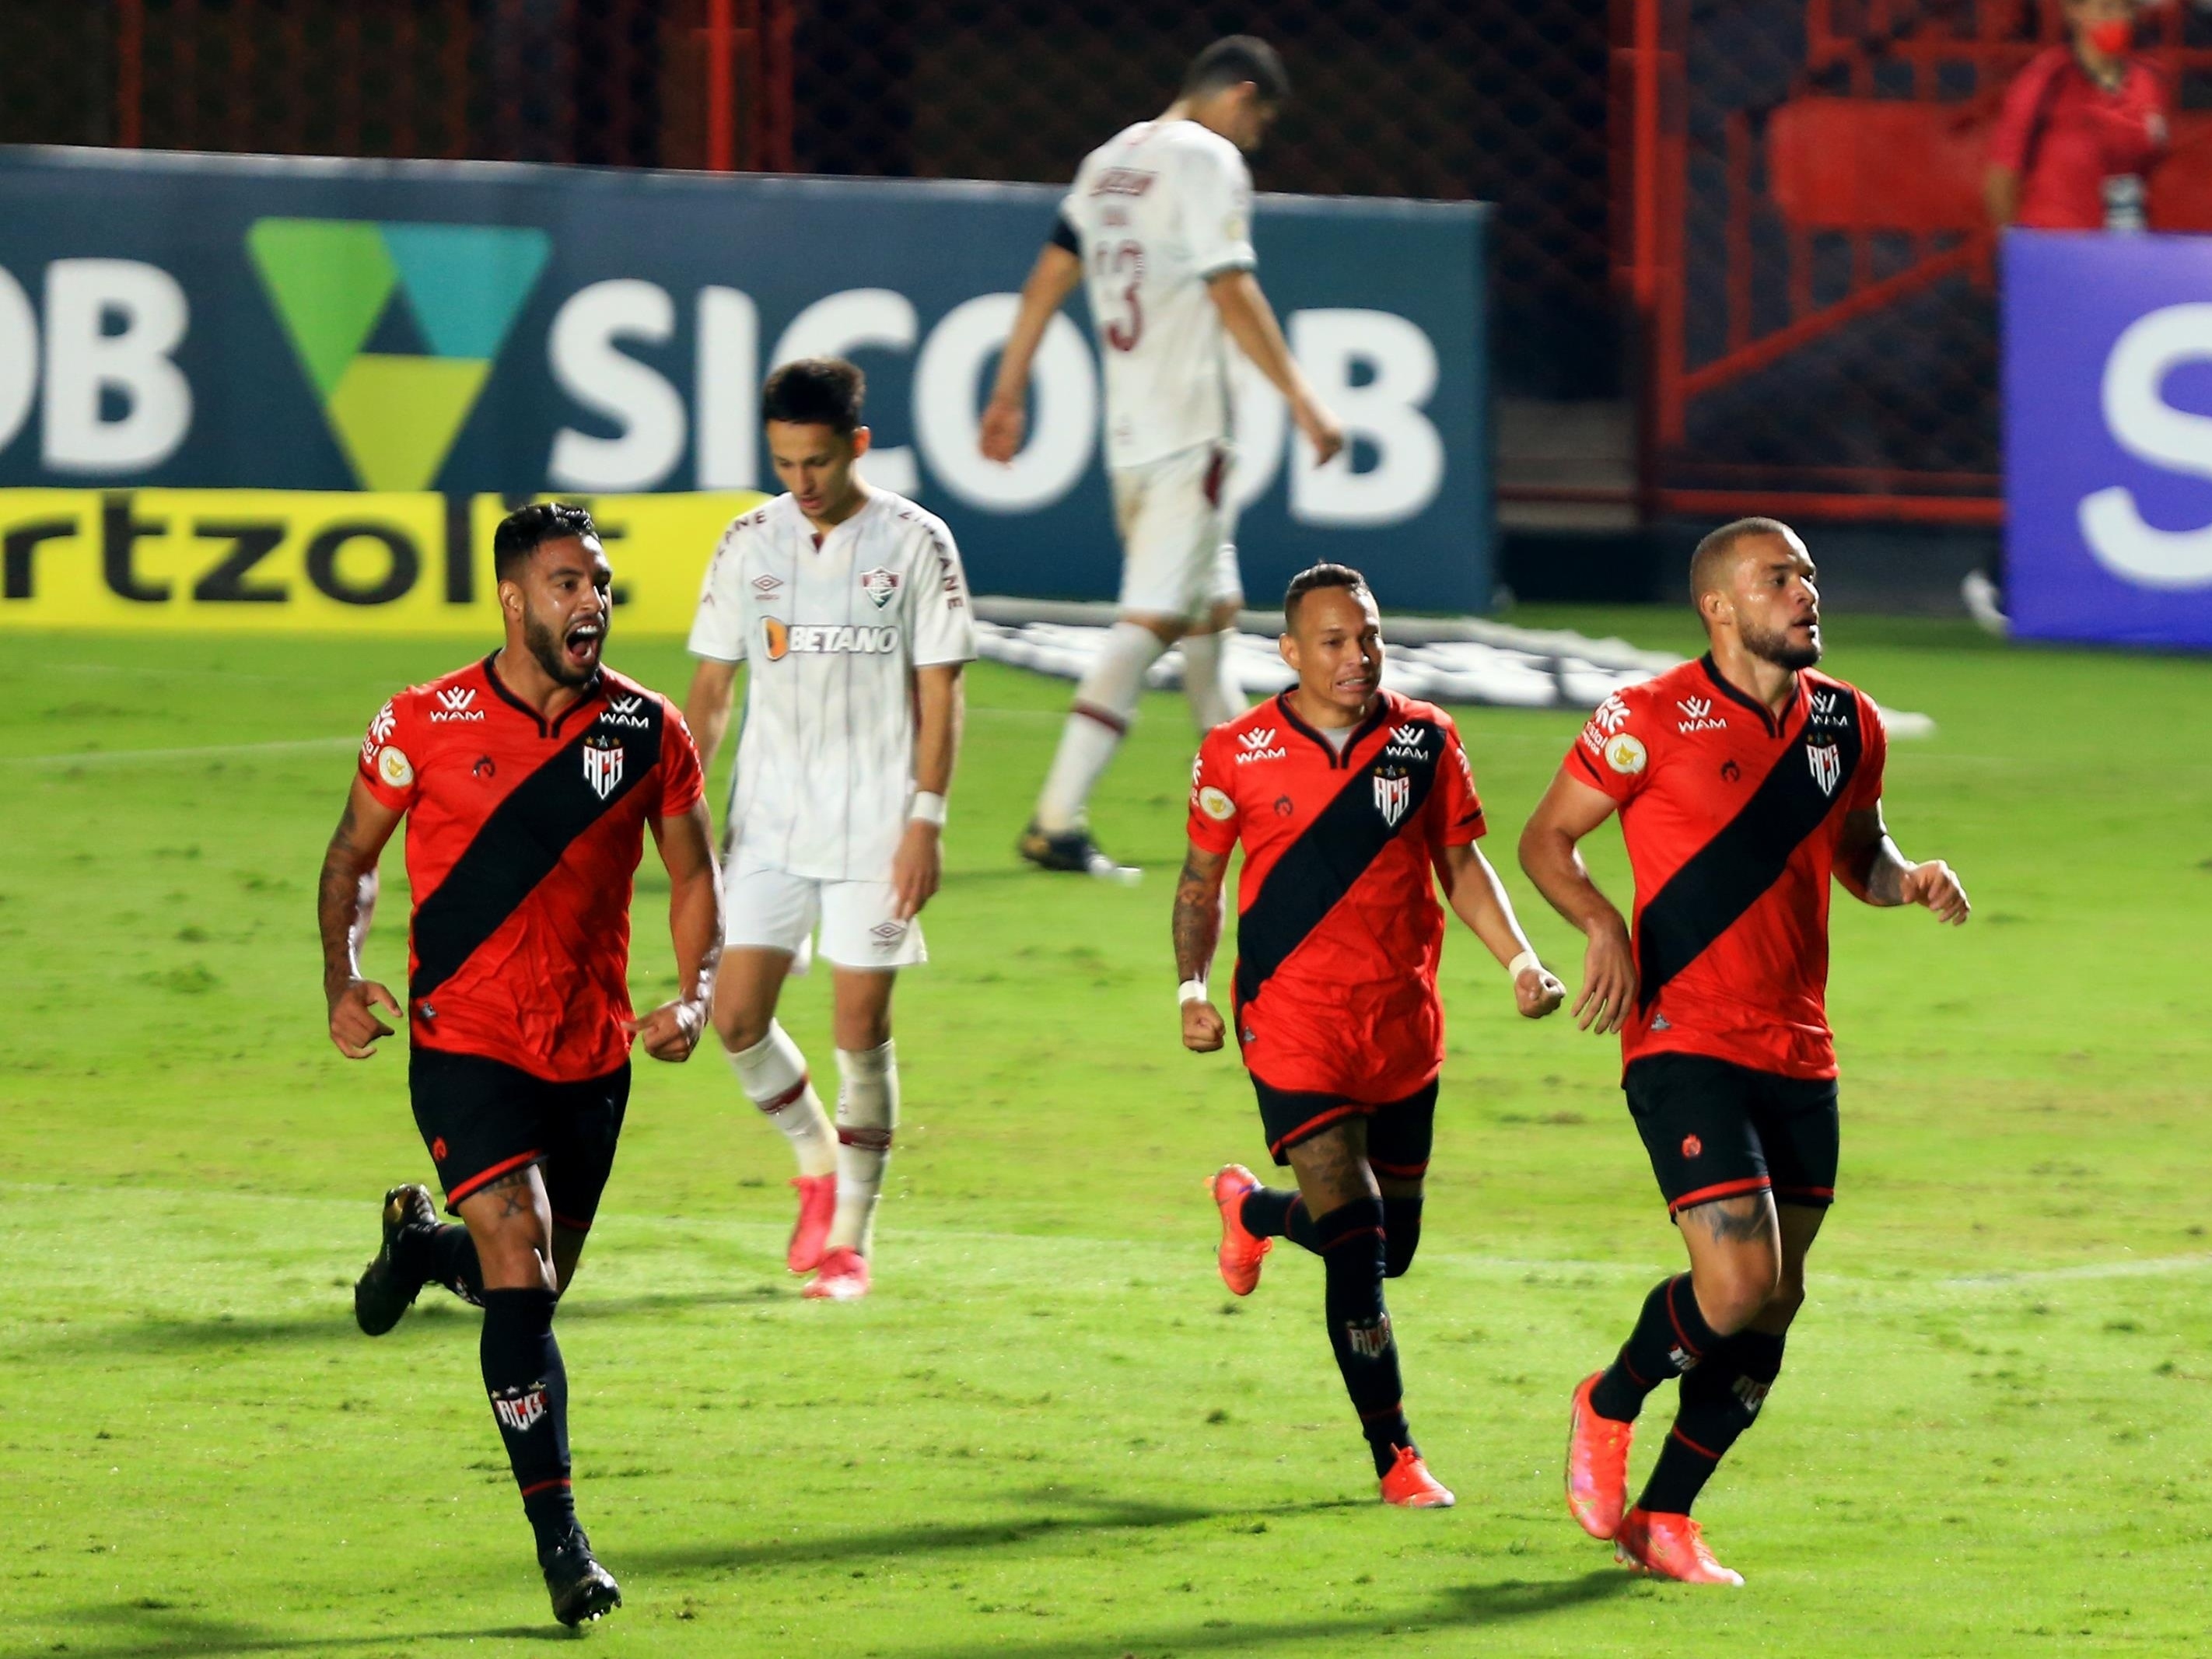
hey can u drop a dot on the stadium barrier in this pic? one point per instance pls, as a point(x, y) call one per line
point(422, 329)
point(2108, 452)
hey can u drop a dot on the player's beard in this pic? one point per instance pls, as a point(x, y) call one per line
point(1775, 647)
point(553, 656)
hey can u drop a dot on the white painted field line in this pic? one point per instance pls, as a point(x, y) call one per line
point(201, 752)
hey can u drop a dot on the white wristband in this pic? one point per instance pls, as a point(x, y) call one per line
point(928, 808)
point(1191, 990)
point(1521, 963)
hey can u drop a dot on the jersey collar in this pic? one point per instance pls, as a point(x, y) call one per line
point(1381, 712)
point(1735, 694)
point(589, 694)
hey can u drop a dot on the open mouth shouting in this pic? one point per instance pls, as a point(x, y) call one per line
point(580, 644)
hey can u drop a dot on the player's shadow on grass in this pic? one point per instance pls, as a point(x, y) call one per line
point(1467, 1607)
point(149, 1629)
point(1078, 1519)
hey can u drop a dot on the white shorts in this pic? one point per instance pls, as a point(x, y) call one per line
point(1178, 534)
point(770, 910)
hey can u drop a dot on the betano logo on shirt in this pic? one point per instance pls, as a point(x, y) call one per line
point(396, 413)
point(825, 638)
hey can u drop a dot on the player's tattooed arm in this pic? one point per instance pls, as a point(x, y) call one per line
point(1198, 906)
point(345, 900)
point(1874, 873)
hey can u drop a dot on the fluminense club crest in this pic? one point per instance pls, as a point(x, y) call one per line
point(1393, 793)
point(879, 585)
point(603, 764)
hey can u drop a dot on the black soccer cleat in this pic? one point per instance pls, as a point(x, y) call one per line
point(581, 1588)
point(1075, 853)
point(382, 1292)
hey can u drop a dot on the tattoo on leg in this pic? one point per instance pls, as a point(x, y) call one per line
point(1738, 1220)
point(514, 1194)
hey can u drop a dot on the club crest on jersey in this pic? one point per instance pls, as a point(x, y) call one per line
point(623, 711)
point(879, 585)
point(603, 764)
point(519, 1409)
point(1827, 763)
point(1393, 793)
point(455, 703)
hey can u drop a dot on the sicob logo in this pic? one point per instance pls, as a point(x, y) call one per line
point(395, 413)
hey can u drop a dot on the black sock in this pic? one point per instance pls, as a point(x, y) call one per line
point(529, 1390)
point(1402, 1234)
point(1359, 1325)
point(441, 1255)
point(1671, 1336)
point(1720, 1400)
point(1280, 1212)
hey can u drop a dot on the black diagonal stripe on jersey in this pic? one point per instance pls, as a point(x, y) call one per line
point(518, 847)
point(1321, 866)
point(1726, 877)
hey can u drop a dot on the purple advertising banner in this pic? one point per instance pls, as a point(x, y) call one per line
point(2108, 437)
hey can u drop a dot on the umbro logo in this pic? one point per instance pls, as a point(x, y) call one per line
point(623, 711)
point(767, 584)
point(456, 702)
point(1258, 746)
point(1698, 716)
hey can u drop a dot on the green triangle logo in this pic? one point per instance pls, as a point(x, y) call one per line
point(332, 281)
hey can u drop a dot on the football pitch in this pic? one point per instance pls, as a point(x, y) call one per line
point(1050, 1432)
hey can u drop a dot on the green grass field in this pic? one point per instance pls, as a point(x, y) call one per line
point(1050, 1432)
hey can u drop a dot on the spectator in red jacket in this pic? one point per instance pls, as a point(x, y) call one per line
point(2081, 129)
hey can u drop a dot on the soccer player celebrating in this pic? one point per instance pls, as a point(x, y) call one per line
point(528, 781)
point(1347, 797)
point(1743, 780)
point(1158, 217)
point(849, 605)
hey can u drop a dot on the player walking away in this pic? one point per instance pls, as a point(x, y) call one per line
point(1742, 780)
point(1345, 797)
point(528, 780)
point(849, 605)
point(1158, 218)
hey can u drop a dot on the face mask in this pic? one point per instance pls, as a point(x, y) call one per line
point(2112, 37)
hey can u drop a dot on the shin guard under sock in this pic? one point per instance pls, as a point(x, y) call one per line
point(1720, 1400)
point(1351, 1237)
point(529, 1391)
point(1671, 1336)
point(1272, 1212)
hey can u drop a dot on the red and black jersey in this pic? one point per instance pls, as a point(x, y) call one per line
point(522, 839)
point(1338, 928)
point(1732, 816)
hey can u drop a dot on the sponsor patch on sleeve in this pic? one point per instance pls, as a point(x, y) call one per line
point(1216, 805)
point(393, 766)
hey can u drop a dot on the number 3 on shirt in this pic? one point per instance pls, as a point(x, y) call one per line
point(1123, 333)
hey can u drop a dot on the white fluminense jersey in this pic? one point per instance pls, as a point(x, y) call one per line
point(1155, 211)
point(831, 636)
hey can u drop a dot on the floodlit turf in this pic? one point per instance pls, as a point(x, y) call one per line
point(1051, 1433)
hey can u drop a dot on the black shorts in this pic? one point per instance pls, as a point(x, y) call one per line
point(1399, 1131)
point(481, 1118)
point(1715, 1130)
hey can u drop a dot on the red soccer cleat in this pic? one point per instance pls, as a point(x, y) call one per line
point(1411, 1486)
point(1670, 1546)
point(1597, 1465)
point(1242, 1250)
point(843, 1278)
point(817, 1203)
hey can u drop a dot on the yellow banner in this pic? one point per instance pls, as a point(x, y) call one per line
point(300, 561)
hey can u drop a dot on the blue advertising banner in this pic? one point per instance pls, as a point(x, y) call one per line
point(412, 329)
point(2108, 437)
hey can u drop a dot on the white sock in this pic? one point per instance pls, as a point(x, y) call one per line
point(1105, 699)
point(867, 1114)
point(1215, 697)
point(773, 1074)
